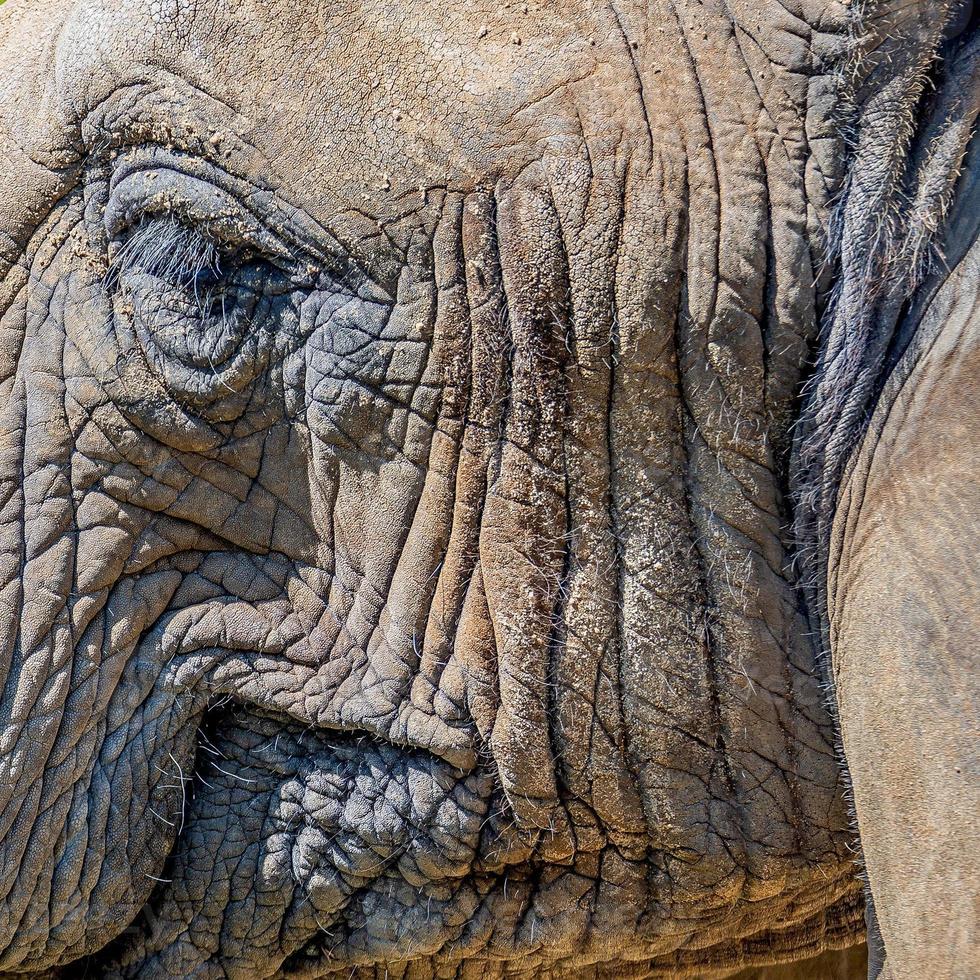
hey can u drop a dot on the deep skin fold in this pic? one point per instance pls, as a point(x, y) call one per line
point(494, 500)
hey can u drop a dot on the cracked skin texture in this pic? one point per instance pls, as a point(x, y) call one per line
point(393, 462)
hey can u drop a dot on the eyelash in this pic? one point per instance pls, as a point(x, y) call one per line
point(169, 250)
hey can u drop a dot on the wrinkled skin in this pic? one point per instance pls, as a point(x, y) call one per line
point(396, 562)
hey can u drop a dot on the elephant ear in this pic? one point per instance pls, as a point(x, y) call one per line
point(885, 475)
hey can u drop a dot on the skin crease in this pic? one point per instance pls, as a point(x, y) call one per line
point(396, 574)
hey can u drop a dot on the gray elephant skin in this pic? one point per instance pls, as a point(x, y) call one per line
point(488, 490)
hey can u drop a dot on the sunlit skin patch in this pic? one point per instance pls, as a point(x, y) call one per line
point(400, 449)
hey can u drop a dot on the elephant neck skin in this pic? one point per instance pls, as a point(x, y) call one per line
point(396, 450)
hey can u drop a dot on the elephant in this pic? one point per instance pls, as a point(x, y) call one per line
point(488, 489)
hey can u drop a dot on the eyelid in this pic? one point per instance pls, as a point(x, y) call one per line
point(148, 194)
point(297, 246)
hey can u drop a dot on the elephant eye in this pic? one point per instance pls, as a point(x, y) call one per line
point(200, 302)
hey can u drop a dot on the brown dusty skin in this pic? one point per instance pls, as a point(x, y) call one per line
point(843, 964)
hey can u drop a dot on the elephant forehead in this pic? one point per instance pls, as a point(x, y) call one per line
point(346, 102)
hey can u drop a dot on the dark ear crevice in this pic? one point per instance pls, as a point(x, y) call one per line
point(966, 20)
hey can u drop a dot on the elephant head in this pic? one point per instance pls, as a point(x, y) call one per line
point(397, 554)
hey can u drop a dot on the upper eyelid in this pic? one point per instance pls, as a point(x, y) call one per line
point(160, 190)
point(148, 195)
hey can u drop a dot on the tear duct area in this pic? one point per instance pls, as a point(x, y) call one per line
point(490, 568)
